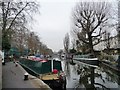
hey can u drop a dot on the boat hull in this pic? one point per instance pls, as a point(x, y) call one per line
point(90, 61)
point(56, 84)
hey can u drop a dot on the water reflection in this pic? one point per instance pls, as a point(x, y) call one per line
point(67, 68)
point(71, 74)
point(81, 76)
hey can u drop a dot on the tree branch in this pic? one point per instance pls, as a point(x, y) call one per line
point(82, 39)
point(7, 10)
point(79, 21)
point(17, 15)
point(99, 33)
point(96, 42)
point(83, 15)
point(98, 24)
point(99, 40)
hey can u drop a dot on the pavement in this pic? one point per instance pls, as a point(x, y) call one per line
point(13, 77)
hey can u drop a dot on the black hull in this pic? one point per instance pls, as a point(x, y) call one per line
point(56, 84)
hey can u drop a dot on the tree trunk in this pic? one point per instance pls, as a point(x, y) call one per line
point(92, 76)
point(91, 44)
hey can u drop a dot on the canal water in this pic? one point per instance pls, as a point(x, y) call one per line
point(80, 76)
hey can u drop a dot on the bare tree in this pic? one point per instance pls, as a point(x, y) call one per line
point(14, 16)
point(66, 43)
point(90, 19)
point(14, 19)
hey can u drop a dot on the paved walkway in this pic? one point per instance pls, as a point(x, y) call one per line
point(13, 77)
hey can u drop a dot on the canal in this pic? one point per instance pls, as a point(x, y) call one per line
point(80, 76)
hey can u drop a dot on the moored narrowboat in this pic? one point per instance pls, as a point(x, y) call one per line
point(50, 71)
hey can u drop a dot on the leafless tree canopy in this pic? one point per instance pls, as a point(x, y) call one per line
point(14, 18)
point(90, 19)
point(16, 14)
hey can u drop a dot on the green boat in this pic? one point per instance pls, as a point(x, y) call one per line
point(50, 71)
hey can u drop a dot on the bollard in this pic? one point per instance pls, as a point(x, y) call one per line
point(16, 64)
point(26, 76)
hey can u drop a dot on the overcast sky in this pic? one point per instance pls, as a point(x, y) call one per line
point(54, 22)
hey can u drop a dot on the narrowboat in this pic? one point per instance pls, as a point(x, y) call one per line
point(49, 71)
point(87, 59)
